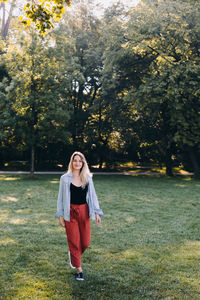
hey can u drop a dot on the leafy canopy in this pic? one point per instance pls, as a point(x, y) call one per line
point(43, 13)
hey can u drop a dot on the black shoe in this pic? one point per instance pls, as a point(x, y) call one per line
point(79, 276)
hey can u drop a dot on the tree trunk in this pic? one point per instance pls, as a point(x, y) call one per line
point(6, 23)
point(194, 161)
point(3, 17)
point(1, 162)
point(100, 163)
point(168, 163)
point(32, 161)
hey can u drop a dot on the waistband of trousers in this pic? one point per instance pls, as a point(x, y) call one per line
point(79, 206)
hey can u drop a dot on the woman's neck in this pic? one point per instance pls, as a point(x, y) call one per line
point(76, 173)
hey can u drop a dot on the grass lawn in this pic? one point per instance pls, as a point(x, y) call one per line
point(147, 247)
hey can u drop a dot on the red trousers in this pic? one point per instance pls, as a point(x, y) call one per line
point(78, 232)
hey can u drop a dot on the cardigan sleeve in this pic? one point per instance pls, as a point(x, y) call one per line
point(95, 200)
point(60, 208)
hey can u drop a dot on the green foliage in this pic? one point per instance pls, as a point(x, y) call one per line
point(175, 79)
point(124, 87)
point(43, 12)
point(80, 58)
point(154, 65)
point(36, 114)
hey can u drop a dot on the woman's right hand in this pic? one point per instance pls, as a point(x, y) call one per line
point(61, 221)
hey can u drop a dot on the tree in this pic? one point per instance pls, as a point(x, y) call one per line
point(41, 116)
point(79, 56)
point(170, 92)
point(147, 57)
point(41, 12)
point(122, 75)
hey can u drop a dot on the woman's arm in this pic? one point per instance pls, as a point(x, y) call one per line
point(97, 209)
point(60, 208)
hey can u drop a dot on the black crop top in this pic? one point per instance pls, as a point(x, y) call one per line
point(78, 194)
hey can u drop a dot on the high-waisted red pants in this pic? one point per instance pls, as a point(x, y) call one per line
point(78, 232)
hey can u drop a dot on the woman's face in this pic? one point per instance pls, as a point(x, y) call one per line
point(77, 162)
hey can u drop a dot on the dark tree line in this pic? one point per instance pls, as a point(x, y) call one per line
point(121, 88)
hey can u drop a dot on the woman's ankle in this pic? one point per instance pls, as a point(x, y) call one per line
point(79, 270)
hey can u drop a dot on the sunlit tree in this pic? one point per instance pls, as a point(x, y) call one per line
point(43, 13)
point(32, 98)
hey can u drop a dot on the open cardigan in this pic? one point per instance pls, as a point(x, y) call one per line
point(64, 198)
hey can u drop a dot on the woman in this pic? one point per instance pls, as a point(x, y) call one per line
point(77, 202)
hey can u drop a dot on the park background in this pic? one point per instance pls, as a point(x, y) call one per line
point(122, 86)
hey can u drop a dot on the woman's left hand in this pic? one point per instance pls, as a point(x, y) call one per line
point(98, 220)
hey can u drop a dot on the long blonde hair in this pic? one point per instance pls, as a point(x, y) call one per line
point(84, 172)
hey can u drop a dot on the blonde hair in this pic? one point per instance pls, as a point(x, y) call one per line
point(84, 172)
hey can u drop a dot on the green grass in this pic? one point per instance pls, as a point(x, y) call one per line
point(147, 247)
